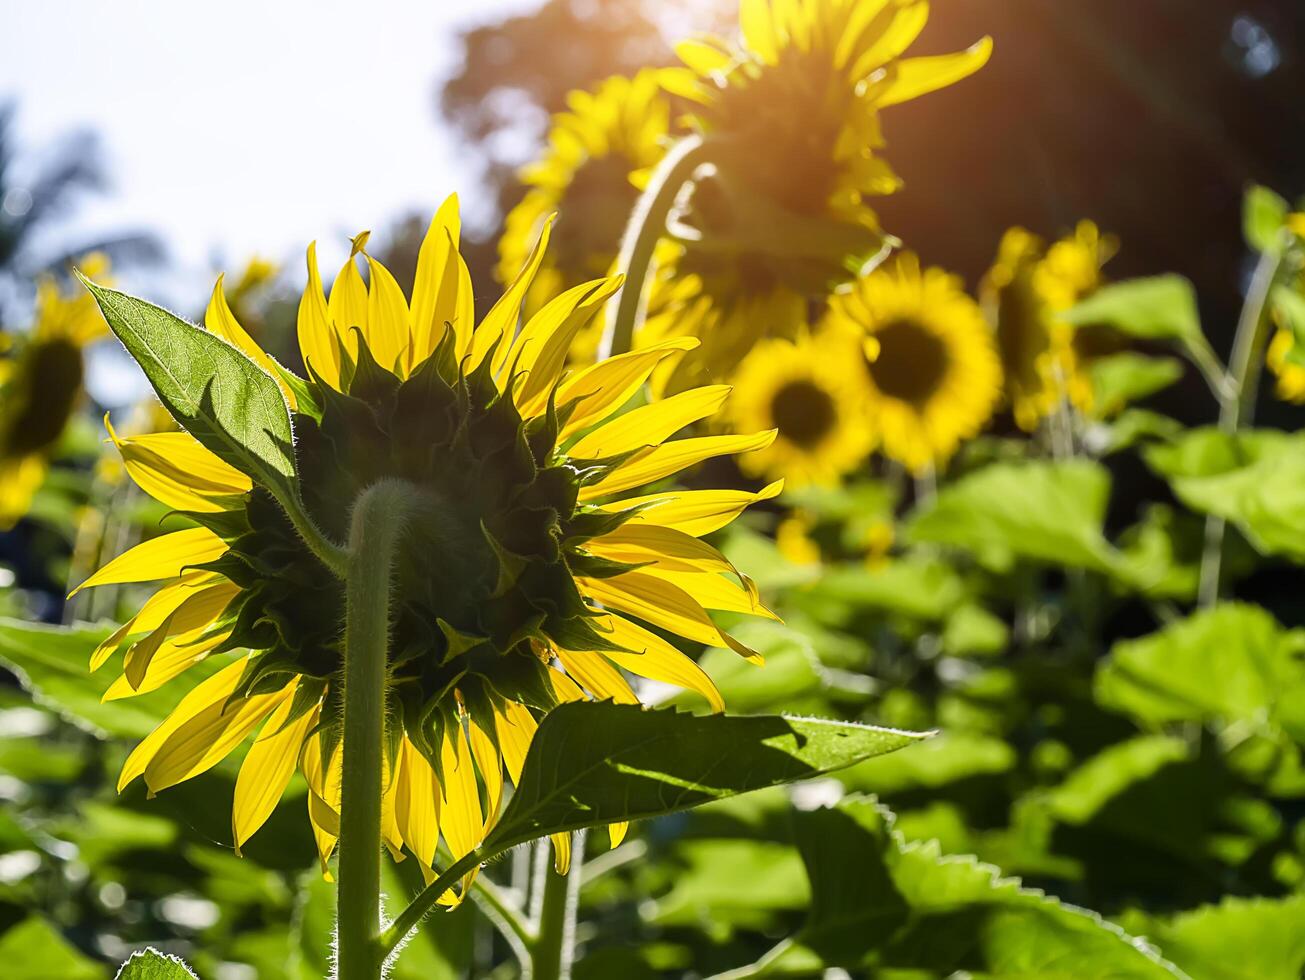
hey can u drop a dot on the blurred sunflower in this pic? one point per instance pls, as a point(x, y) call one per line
point(1289, 375)
point(534, 582)
point(933, 374)
point(598, 155)
point(812, 393)
point(1046, 360)
point(41, 377)
point(792, 113)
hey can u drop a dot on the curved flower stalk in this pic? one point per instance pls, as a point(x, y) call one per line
point(780, 207)
point(1046, 360)
point(525, 575)
point(932, 373)
point(599, 154)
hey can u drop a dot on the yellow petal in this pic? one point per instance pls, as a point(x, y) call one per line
point(913, 77)
point(714, 591)
point(516, 727)
point(460, 802)
point(671, 457)
point(324, 781)
point(500, 322)
point(188, 620)
point(758, 29)
point(602, 388)
point(616, 832)
point(597, 676)
point(388, 331)
point(876, 33)
point(662, 604)
point(174, 657)
point(156, 609)
point(703, 57)
point(174, 469)
point(650, 425)
point(658, 660)
point(220, 320)
point(695, 512)
point(163, 557)
point(542, 347)
point(208, 737)
point(490, 764)
point(416, 804)
point(210, 691)
point(347, 305)
point(435, 288)
point(561, 852)
point(318, 342)
point(661, 547)
point(267, 769)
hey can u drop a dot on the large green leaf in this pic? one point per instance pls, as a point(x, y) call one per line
point(1121, 379)
point(1239, 938)
point(1255, 480)
point(1044, 511)
point(880, 904)
point(150, 964)
point(34, 950)
point(599, 763)
point(1231, 663)
point(214, 391)
point(51, 663)
point(1154, 308)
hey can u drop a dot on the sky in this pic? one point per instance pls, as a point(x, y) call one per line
point(242, 128)
point(246, 127)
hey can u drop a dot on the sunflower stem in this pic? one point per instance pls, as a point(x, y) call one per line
point(378, 520)
point(646, 227)
point(1237, 403)
point(411, 917)
point(331, 554)
point(554, 949)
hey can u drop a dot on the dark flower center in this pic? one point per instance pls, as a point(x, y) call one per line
point(803, 412)
point(912, 362)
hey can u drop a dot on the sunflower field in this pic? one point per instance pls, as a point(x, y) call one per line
point(686, 571)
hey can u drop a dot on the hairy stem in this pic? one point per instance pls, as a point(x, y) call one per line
point(554, 949)
point(378, 520)
point(646, 226)
point(1237, 406)
point(411, 917)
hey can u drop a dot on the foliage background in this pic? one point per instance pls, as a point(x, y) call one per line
point(1097, 742)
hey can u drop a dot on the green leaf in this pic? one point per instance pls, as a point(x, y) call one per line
point(1120, 379)
point(213, 390)
point(1231, 663)
point(592, 764)
point(34, 950)
point(1255, 480)
point(916, 586)
point(1154, 308)
point(950, 757)
point(1262, 938)
point(51, 664)
point(1263, 214)
point(1042, 511)
point(721, 884)
point(150, 964)
point(882, 904)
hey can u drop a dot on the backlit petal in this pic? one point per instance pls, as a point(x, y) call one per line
point(267, 769)
point(318, 342)
point(671, 457)
point(163, 557)
point(651, 425)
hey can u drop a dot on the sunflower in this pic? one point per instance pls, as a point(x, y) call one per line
point(1046, 360)
point(792, 113)
point(534, 580)
point(933, 373)
point(811, 393)
point(41, 386)
point(598, 154)
point(1289, 375)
